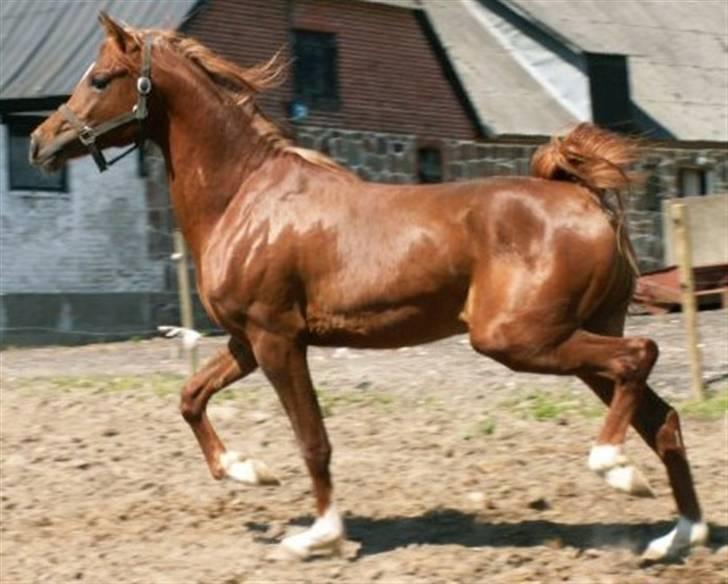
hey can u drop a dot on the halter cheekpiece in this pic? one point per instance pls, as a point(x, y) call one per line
point(88, 135)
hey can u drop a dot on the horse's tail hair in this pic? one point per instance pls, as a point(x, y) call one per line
point(597, 159)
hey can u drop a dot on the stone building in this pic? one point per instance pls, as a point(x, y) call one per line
point(398, 90)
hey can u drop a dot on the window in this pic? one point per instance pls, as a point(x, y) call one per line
point(429, 165)
point(315, 76)
point(609, 89)
point(21, 175)
point(692, 182)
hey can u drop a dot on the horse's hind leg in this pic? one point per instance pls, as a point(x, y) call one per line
point(659, 426)
point(232, 363)
point(634, 361)
point(542, 341)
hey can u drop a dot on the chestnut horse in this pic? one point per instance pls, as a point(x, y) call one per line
point(292, 250)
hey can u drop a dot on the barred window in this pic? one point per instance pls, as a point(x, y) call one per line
point(21, 175)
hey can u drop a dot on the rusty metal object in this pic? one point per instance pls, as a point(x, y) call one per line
point(658, 292)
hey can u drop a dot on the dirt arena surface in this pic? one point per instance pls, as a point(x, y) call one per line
point(448, 468)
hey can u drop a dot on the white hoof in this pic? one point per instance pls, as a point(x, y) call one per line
point(629, 480)
point(249, 470)
point(608, 461)
point(685, 535)
point(325, 535)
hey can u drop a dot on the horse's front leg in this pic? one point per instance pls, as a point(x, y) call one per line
point(232, 363)
point(283, 361)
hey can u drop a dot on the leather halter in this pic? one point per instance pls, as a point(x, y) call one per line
point(88, 135)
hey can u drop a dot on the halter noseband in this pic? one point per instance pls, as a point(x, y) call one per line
point(88, 135)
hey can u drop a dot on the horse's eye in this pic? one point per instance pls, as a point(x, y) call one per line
point(100, 82)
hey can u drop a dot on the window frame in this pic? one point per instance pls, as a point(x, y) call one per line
point(329, 42)
point(20, 126)
point(703, 176)
point(430, 146)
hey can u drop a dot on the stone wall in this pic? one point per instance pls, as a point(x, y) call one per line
point(374, 156)
point(393, 158)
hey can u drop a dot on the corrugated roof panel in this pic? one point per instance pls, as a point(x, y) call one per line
point(508, 99)
point(45, 45)
point(677, 51)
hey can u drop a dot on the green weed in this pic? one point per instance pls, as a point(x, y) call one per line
point(549, 405)
point(161, 384)
point(332, 400)
point(713, 407)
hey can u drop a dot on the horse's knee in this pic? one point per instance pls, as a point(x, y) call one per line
point(189, 404)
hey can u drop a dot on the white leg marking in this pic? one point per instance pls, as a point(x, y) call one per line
point(605, 456)
point(680, 539)
point(249, 470)
point(609, 462)
point(326, 534)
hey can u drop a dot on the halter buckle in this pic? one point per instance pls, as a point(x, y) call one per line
point(87, 136)
point(144, 85)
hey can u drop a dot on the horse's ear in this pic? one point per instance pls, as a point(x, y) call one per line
point(115, 31)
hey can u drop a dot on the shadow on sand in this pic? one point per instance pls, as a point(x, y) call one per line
point(450, 526)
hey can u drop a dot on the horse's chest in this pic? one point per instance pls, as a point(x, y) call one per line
point(235, 284)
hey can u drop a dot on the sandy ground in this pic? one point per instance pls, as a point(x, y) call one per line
point(448, 467)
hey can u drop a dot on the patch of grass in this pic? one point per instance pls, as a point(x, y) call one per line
point(713, 407)
point(161, 384)
point(483, 428)
point(486, 427)
point(430, 402)
point(331, 400)
point(549, 405)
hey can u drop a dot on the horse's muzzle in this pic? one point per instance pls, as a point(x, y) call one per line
point(46, 154)
point(33, 150)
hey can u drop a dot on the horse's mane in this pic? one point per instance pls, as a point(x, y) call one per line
point(240, 85)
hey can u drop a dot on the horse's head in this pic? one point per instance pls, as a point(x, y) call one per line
point(108, 106)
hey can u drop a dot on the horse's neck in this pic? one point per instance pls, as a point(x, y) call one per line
point(209, 153)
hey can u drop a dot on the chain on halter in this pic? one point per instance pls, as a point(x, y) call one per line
point(88, 136)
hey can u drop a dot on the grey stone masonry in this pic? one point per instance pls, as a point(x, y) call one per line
point(374, 156)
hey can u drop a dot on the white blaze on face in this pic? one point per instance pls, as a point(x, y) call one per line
point(88, 71)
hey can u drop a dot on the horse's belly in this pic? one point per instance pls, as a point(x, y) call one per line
point(387, 326)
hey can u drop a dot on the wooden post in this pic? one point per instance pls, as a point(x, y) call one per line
point(185, 296)
point(684, 258)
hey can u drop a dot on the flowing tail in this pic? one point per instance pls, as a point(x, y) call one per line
point(597, 159)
